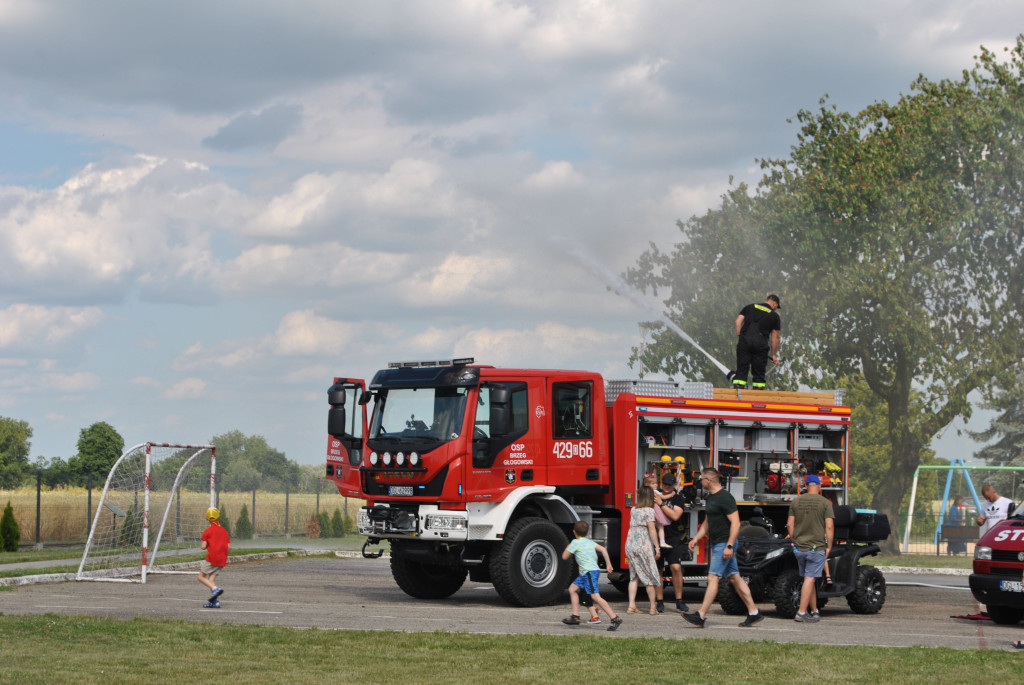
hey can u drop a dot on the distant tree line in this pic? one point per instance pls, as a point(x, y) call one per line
point(243, 461)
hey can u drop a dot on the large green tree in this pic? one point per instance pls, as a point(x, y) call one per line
point(242, 458)
point(14, 450)
point(99, 446)
point(894, 235)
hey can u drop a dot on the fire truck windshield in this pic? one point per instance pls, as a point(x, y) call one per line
point(422, 416)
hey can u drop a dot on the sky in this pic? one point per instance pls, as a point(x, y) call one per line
point(208, 210)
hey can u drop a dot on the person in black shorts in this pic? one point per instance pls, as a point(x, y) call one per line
point(672, 504)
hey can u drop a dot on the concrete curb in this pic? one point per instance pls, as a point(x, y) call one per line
point(18, 581)
point(898, 570)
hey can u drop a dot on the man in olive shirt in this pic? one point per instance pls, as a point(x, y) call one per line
point(722, 526)
point(811, 526)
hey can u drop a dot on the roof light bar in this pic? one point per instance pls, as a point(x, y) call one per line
point(461, 361)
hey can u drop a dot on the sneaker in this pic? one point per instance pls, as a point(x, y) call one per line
point(752, 620)
point(681, 606)
point(212, 605)
point(594, 620)
point(660, 606)
point(800, 618)
point(616, 622)
point(217, 592)
point(815, 615)
point(696, 619)
point(573, 620)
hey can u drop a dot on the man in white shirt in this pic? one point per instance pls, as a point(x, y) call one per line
point(998, 509)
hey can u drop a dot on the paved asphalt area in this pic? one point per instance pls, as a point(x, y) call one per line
point(356, 593)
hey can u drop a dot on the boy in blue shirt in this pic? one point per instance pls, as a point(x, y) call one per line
point(585, 551)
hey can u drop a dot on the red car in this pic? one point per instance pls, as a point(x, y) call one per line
point(998, 578)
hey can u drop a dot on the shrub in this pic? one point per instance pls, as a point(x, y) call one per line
point(10, 533)
point(313, 526)
point(326, 529)
point(131, 528)
point(243, 526)
point(338, 524)
point(225, 521)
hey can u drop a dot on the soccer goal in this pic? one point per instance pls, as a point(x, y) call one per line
point(167, 484)
point(945, 499)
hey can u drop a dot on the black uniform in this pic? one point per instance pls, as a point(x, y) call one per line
point(759, 320)
point(677, 533)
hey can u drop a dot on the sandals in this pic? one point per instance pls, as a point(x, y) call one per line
point(654, 612)
point(632, 610)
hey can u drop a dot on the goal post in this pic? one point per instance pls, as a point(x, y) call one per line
point(936, 486)
point(169, 483)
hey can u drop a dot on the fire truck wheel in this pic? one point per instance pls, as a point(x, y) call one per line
point(730, 600)
point(869, 595)
point(786, 592)
point(527, 569)
point(425, 581)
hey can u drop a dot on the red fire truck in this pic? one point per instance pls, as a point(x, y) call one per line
point(471, 470)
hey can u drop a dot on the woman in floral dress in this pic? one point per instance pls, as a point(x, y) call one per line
point(642, 550)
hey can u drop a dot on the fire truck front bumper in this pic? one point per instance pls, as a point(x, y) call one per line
point(423, 522)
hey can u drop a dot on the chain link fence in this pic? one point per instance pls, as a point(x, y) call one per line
point(61, 515)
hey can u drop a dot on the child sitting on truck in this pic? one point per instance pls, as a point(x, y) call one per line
point(585, 550)
point(660, 520)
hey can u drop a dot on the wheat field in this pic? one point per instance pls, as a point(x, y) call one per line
point(64, 512)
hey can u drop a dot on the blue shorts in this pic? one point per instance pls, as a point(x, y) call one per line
point(588, 582)
point(810, 564)
point(719, 566)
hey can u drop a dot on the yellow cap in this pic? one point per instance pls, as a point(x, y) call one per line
point(212, 514)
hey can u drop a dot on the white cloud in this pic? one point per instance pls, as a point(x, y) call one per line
point(35, 326)
point(186, 389)
point(69, 383)
point(112, 226)
point(459, 278)
point(305, 333)
point(569, 29)
point(554, 176)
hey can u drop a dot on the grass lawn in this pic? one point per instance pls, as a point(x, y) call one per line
point(47, 649)
point(921, 560)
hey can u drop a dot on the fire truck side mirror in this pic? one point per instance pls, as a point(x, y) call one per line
point(336, 414)
point(336, 395)
point(336, 422)
point(500, 416)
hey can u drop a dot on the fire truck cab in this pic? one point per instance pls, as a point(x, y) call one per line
point(472, 470)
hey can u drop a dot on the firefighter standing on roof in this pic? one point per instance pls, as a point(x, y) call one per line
point(757, 328)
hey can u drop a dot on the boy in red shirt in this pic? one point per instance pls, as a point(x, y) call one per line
point(216, 542)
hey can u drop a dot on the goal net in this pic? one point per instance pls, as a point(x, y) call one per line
point(941, 515)
point(159, 487)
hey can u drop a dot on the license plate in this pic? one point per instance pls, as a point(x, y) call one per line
point(406, 491)
point(1011, 585)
